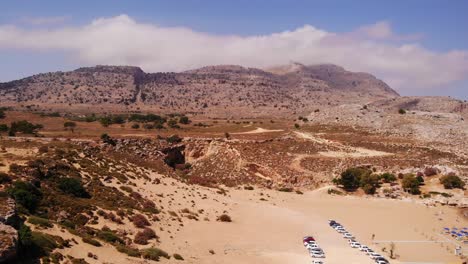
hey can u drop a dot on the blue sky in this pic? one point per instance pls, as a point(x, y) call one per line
point(441, 27)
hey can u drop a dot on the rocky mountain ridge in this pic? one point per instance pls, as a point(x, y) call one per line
point(211, 90)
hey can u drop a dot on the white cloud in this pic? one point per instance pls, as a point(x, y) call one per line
point(123, 41)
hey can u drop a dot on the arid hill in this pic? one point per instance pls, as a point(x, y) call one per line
point(214, 90)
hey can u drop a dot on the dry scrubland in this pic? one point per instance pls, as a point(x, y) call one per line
point(243, 191)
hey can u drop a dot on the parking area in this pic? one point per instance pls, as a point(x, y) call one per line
point(331, 251)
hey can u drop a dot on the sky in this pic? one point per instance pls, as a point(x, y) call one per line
point(418, 47)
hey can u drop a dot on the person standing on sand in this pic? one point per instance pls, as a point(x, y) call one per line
point(373, 236)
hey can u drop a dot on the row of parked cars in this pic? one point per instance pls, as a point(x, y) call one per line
point(379, 259)
point(315, 251)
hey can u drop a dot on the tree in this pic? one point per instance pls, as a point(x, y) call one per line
point(351, 178)
point(24, 127)
point(297, 126)
point(69, 125)
point(369, 182)
point(452, 181)
point(411, 184)
point(227, 135)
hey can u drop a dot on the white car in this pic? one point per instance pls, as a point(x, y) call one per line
point(348, 235)
point(375, 255)
point(381, 262)
point(312, 246)
point(317, 262)
point(369, 251)
point(363, 248)
point(355, 244)
point(310, 243)
point(338, 227)
point(342, 231)
point(317, 255)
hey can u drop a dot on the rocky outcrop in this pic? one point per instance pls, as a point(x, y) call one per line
point(8, 234)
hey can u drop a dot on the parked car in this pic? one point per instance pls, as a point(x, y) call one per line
point(316, 261)
point(310, 246)
point(317, 255)
point(363, 248)
point(381, 260)
point(375, 255)
point(355, 244)
point(309, 242)
point(348, 235)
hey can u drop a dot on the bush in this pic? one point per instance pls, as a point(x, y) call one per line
point(154, 254)
point(411, 184)
point(24, 236)
point(91, 241)
point(143, 236)
point(184, 120)
point(224, 218)
point(452, 181)
point(401, 111)
point(135, 126)
point(174, 139)
point(4, 178)
point(129, 251)
point(3, 128)
point(110, 237)
point(297, 126)
point(2, 114)
point(249, 188)
point(286, 189)
point(369, 182)
point(39, 221)
point(26, 194)
point(24, 127)
point(140, 221)
point(107, 139)
point(178, 257)
point(73, 187)
point(388, 177)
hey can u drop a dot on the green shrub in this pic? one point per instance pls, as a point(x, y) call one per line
point(388, 177)
point(72, 186)
point(452, 181)
point(178, 256)
point(411, 184)
point(369, 182)
point(43, 243)
point(39, 221)
point(224, 218)
point(154, 254)
point(129, 251)
point(91, 241)
point(26, 194)
point(110, 237)
point(2, 114)
point(401, 111)
point(184, 120)
point(3, 128)
point(286, 189)
point(107, 139)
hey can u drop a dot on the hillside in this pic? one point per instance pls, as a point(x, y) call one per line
point(214, 90)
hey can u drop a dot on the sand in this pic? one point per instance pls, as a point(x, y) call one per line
point(271, 231)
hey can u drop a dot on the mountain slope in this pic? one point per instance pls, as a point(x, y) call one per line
point(212, 90)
